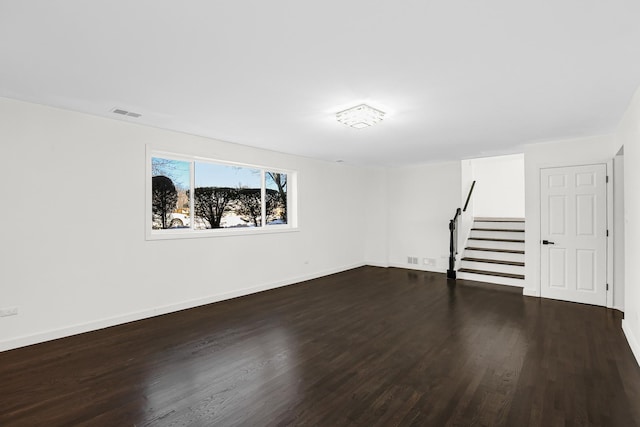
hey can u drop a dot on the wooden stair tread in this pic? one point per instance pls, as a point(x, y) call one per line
point(494, 261)
point(498, 220)
point(508, 251)
point(498, 229)
point(490, 239)
point(492, 273)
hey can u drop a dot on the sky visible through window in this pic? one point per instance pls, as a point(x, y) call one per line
point(206, 174)
point(215, 175)
point(269, 183)
point(176, 170)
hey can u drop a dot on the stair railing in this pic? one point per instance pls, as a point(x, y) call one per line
point(453, 244)
point(453, 236)
point(473, 184)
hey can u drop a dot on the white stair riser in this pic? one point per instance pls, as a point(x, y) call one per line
point(495, 245)
point(504, 256)
point(502, 268)
point(492, 244)
point(507, 225)
point(498, 234)
point(491, 279)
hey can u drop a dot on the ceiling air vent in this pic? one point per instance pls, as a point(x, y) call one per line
point(126, 113)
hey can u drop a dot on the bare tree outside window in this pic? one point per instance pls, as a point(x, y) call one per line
point(169, 183)
point(211, 203)
point(277, 181)
point(249, 205)
point(164, 199)
point(232, 197)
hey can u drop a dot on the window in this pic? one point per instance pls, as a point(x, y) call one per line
point(276, 197)
point(170, 181)
point(194, 197)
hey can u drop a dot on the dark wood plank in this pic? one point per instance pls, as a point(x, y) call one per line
point(498, 220)
point(492, 273)
point(509, 251)
point(367, 347)
point(498, 229)
point(494, 261)
point(490, 239)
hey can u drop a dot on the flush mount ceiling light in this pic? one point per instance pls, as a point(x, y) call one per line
point(359, 117)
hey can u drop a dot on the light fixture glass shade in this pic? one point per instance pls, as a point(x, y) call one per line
point(359, 117)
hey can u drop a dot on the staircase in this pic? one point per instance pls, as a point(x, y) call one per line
point(495, 252)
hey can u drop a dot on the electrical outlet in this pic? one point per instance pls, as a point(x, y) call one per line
point(8, 311)
point(429, 261)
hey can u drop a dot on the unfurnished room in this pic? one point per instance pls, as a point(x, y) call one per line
point(292, 213)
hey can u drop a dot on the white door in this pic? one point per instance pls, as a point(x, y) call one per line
point(573, 233)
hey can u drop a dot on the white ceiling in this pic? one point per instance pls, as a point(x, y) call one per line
point(457, 78)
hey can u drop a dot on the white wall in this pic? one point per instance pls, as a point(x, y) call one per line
point(74, 256)
point(422, 200)
point(499, 190)
point(628, 135)
point(561, 153)
point(376, 221)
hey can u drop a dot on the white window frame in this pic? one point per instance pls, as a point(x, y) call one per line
point(190, 233)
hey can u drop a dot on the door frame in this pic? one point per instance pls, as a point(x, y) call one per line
point(537, 232)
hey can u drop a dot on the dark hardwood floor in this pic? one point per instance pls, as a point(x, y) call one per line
point(367, 347)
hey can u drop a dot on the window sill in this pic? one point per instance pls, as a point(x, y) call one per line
point(198, 234)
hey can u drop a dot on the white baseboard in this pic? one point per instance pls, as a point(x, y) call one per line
point(631, 339)
point(417, 267)
point(377, 264)
point(157, 311)
point(528, 292)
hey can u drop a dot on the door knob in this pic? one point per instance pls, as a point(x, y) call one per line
point(547, 242)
